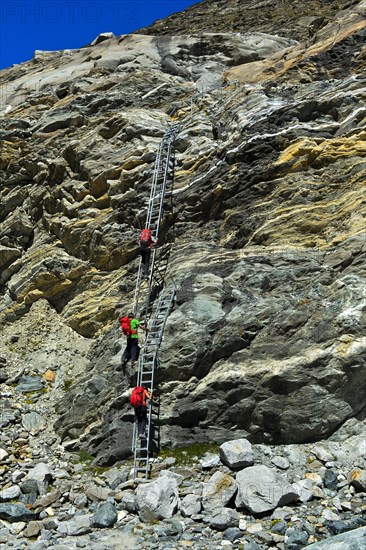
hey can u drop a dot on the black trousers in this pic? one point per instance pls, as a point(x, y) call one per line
point(132, 350)
point(141, 415)
point(145, 255)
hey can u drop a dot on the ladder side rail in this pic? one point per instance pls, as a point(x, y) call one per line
point(137, 288)
point(162, 196)
point(158, 163)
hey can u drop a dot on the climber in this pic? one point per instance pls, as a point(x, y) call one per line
point(130, 326)
point(146, 241)
point(138, 400)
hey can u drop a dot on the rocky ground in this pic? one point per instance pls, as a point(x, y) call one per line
point(266, 342)
point(237, 495)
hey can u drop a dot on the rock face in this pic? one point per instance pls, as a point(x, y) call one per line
point(266, 236)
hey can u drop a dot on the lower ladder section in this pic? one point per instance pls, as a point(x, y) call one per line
point(143, 448)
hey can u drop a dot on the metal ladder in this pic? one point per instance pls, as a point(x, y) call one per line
point(162, 181)
point(144, 448)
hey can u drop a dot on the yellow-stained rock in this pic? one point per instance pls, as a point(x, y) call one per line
point(49, 376)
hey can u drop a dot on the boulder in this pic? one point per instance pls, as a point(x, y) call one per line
point(190, 505)
point(237, 453)
point(42, 475)
point(33, 529)
point(10, 493)
point(223, 518)
point(218, 491)
point(105, 516)
point(29, 383)
point(78, 525)
point(158, 499)
point(33, 422)
point(262, 489)
point(16, 512)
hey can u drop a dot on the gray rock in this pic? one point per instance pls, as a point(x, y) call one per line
point(42, 474)
point(47, 499)
point(190, 505)
point(281, 462)
point(218, 491)
point(16, 512)
point(169, 528)
point(30, 384)
point(352, 540)
point(158, 499)
point(252, 545)
point(29, 486)
point(177, 477)
point(79, 525)
point(261, 489)
point(10, 493)
point(322, 454)
point(80, 500)
point(105, 516)
point(3, 375)
point(223, 518)
point(295, 537)
point(33, 529)
point(237, 453)
point(330, 479)
point(279, 527)
point(129, 502)
point(303, 488)
point(33, 423)
point(96, 494)
point(232, 534)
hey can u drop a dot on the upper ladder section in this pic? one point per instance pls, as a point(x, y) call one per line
point(162, 181)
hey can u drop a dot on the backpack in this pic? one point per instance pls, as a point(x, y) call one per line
point(137, 397)
point(145, 238)
point(125, 323)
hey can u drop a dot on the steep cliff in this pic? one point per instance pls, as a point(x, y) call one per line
point(268, 229)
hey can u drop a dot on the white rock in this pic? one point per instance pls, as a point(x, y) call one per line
point(3, 454)
point(9, 493)
point(17, 527)
point(329, 515)
point(33, 423)
point(158, 499)
point(322, 454)
point(281, 462)
point(254, 528)
point(209, 461)
point(237, 453)
point(17, 476)
point(41, 472)
point(121, 515)
point(261, 489)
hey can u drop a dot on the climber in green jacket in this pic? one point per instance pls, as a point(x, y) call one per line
point(130, 326)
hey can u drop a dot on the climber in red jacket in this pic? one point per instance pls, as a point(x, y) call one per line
point(146, 241)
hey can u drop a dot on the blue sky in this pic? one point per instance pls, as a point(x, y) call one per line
point(28, 25)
